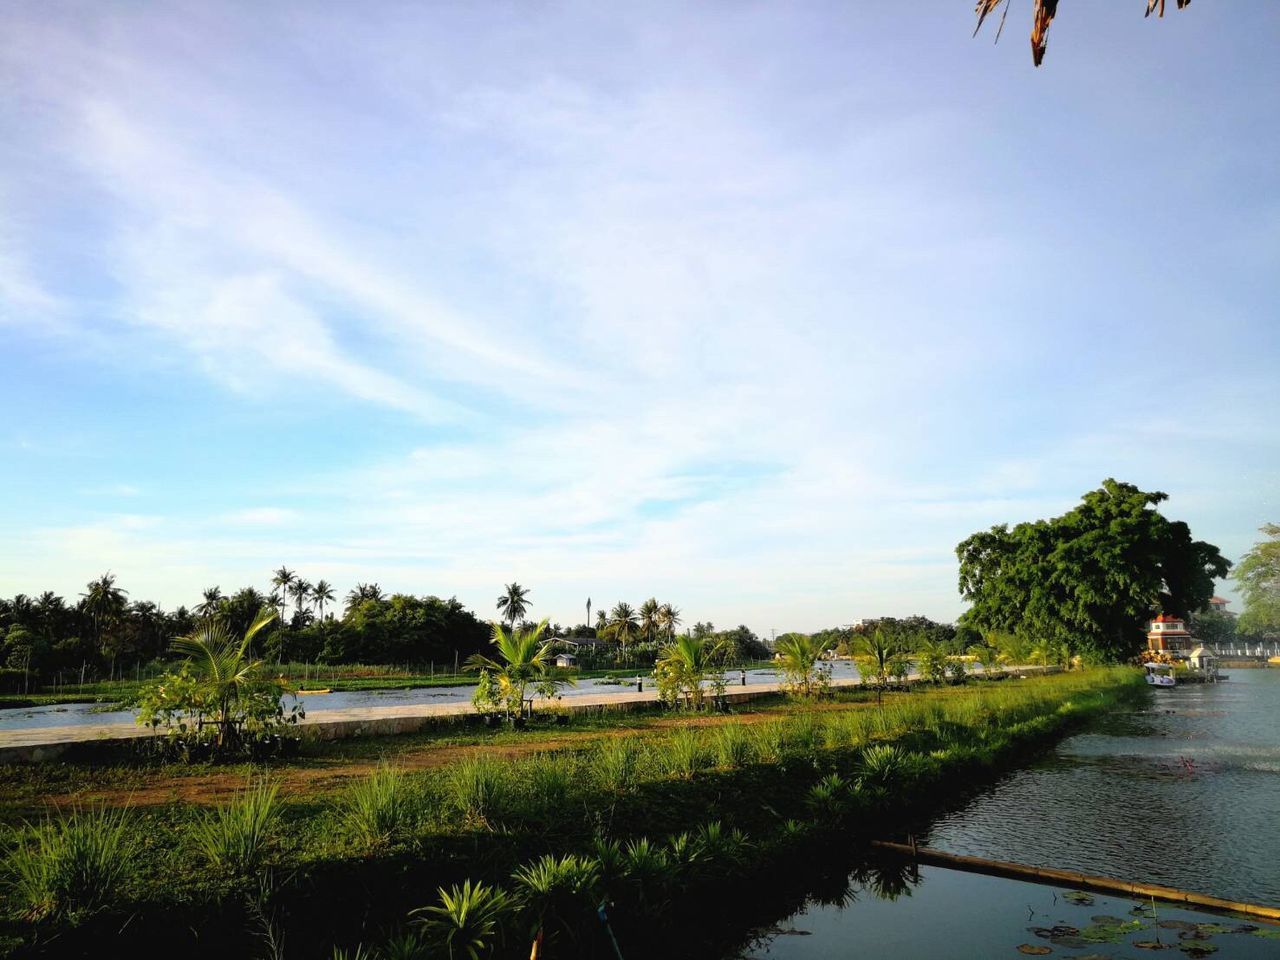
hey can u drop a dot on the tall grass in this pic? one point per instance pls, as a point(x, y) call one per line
point(480, 790)
point(382, 807)
point(237, 836)
point(683, 755)
point(72, 866)
point(615, 764)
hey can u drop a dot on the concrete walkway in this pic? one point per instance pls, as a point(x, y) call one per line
point(49, 743)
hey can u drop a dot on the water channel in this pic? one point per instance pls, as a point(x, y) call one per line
point(1183, 792)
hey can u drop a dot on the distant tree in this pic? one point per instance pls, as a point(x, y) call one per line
point(104, 603)
point(322, 593)
point(514, 603)
point(283, 580)
point(301, 591)
point(650, 619)
point(669, 619)
point(361, 593)
point(209, 605)
point(1258, 577)
point(1091, 578)
point(623, 623)
point(875, 653)
point(800, 658)
point(1213, 627)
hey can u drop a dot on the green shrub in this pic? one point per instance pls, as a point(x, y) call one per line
point(558, 893)
point(71, 867)
point(237, 837)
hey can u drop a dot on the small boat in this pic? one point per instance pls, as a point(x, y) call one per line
point(312, 693)
point(1160, 675)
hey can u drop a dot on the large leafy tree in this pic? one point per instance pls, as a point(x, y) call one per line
point(1091, 578)
point(1258, 577)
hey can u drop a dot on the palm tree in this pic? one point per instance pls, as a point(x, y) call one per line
point(525, 659)
point(602, 622)
point(650, 619)
point(798, 655)
point(684, 665)
point(283, 579)
point(223, 668)
point(876, 651)
point(361, 593)
point(986, 655)
point(322, 593)
point(588, 620)
point(1042, 15)
point(212, 597)
point(301, 591)
point(669, 619)
point(105, 603)
point(932, 657)
point(623, 623)
point(515, 603)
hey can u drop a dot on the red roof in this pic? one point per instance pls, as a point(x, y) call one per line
point(1167, 618)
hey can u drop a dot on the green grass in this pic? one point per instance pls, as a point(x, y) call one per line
point(486, 809)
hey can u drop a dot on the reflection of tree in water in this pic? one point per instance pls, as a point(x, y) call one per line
point(886, 878)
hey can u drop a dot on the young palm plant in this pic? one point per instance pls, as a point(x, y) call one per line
point(558, 895)
point(684, 665)
point(875, 653)
point(799, 656)
point(468, 920)
point(525, 659)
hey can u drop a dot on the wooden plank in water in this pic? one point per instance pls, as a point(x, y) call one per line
point(1070, 878)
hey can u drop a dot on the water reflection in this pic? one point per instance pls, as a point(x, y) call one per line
point(889, 909)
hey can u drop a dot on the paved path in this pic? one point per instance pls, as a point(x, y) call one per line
point(48, 743)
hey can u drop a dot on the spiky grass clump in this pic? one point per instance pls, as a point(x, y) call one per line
point(684, 754)
point(480, 790)
point(238, 836)
point(615, 764)
point(381, 808)
point(467, 922)
point(558, 892)
point(732, 746)
point(72, 866)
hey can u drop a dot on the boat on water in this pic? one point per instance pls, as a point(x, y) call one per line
point(1160, 675)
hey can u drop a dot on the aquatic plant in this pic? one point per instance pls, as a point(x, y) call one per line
point(70, 867)
point(237, 836)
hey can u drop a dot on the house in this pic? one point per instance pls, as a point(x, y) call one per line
point(1219, 605)
point(1168, 634)
point(566, 661)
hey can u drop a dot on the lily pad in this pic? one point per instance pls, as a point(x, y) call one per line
point(1110, 932)
point(1198, 949)
point(1210, 929)
point(1152, 945)
point(1108, 920)
point(1033, 949)
point(1271, 933)
point(1193, 934)
point(1070, 942)
point(1176, 925)
point(1079, 898)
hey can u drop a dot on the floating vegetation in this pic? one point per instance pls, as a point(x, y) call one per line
point(1033, 949)
point(1079, 898)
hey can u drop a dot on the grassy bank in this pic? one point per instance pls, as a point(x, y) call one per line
point(644, 819)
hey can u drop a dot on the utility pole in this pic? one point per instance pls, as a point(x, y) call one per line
point(588, 611)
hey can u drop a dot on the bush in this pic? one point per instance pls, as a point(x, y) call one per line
point(237, 837)
point(468, 920)
point(73, 866)
point(616, 763)
point(480, 790)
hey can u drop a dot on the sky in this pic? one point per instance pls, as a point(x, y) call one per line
point(755, 307)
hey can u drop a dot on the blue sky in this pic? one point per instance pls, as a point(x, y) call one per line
point(756, 307)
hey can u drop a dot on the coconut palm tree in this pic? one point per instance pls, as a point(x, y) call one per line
point(283, 580)
point(650, 619)
point(602, 622)
point(361, 593)
point(524, 659)
point(322, 593)
point(669, 619)
point(301, 591)
point(1042, 15)
point(105, 603)
point(209, 606)
point(798, 656)
point(224, 669)
point(623, 623)
point(514, 603)
point(685, 664)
